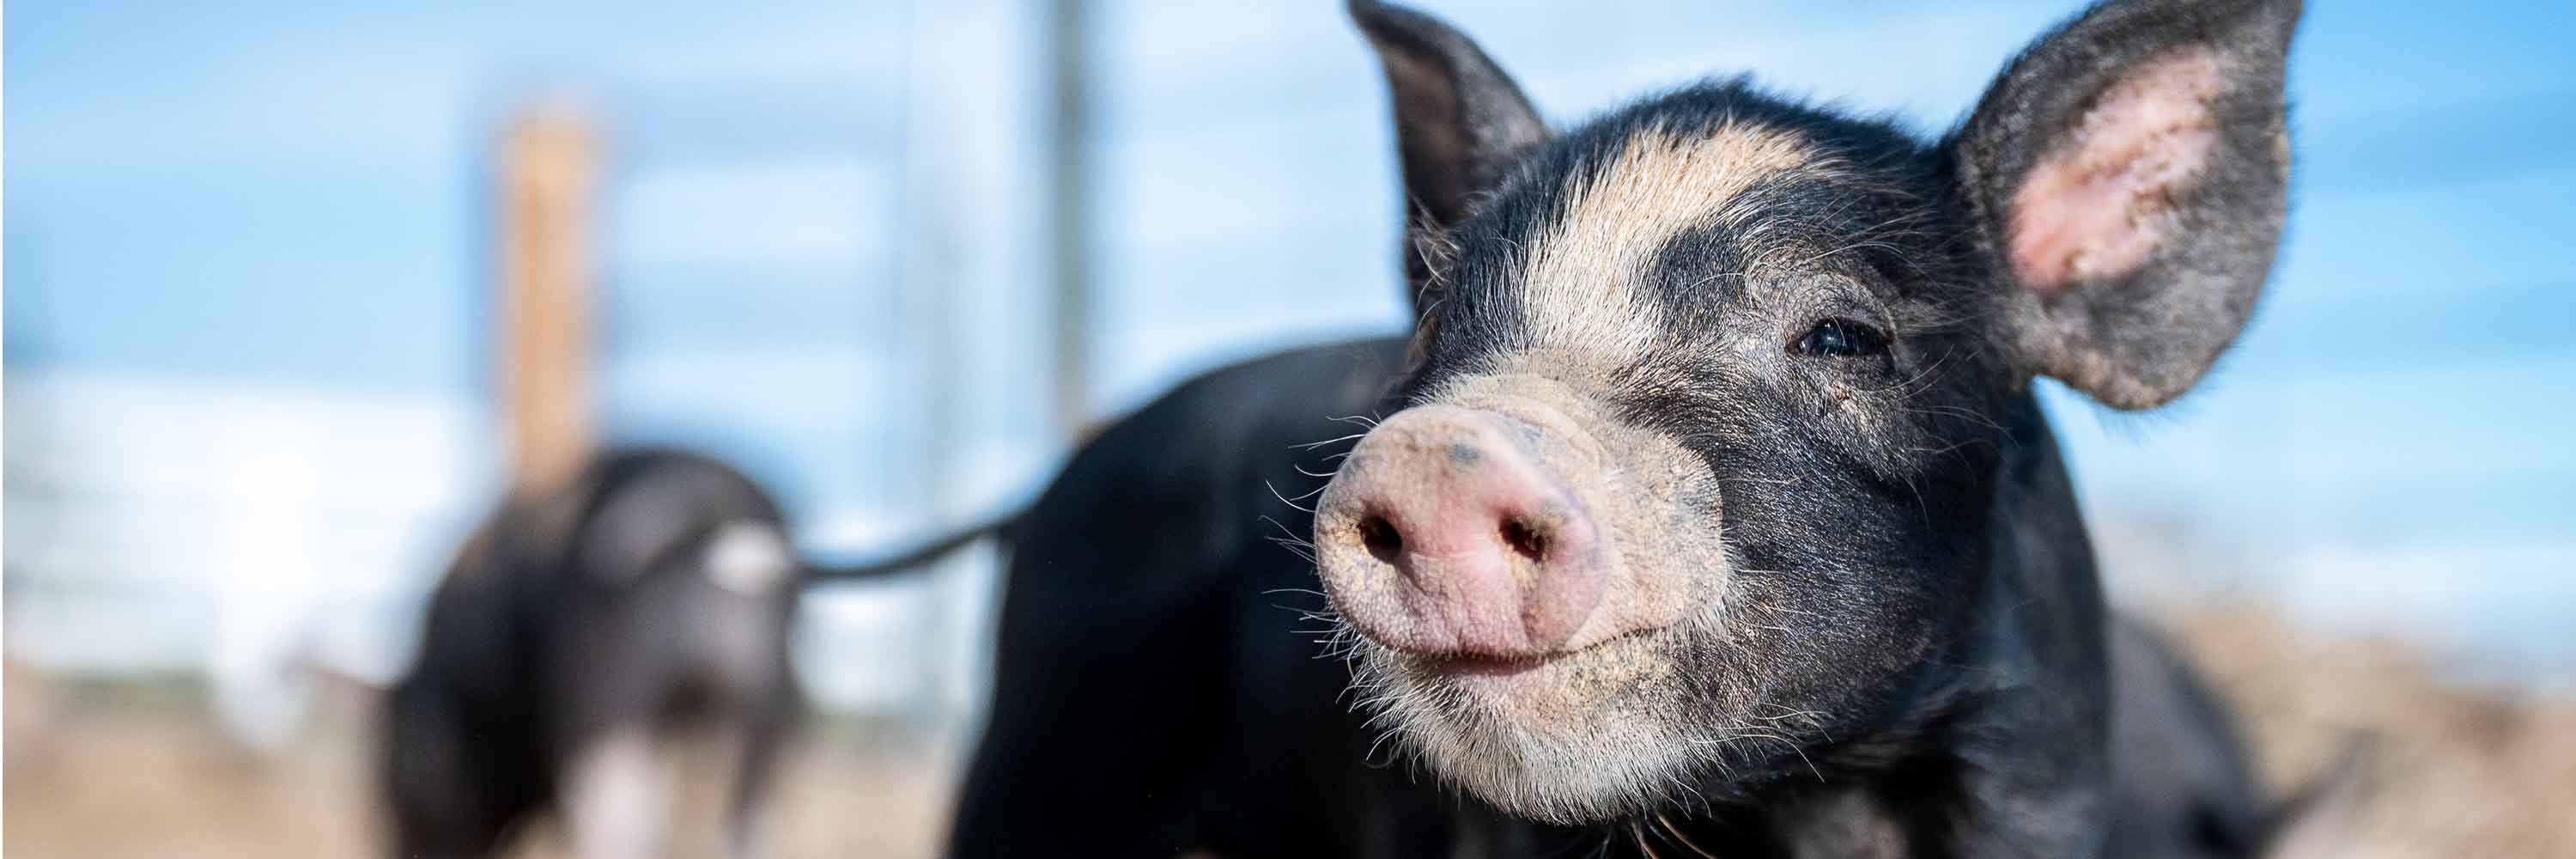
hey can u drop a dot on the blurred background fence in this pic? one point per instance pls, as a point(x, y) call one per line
point(888, 256)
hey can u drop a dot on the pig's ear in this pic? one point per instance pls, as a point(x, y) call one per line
point(1458, 121)
point(2128, 173)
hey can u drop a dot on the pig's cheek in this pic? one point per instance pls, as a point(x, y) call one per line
point(1671, 533)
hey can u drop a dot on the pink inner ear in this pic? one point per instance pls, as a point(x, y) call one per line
point(2097, 205)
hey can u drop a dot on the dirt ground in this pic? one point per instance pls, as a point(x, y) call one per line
point(139, 772)
point(2437, 770)
point(2427, 768)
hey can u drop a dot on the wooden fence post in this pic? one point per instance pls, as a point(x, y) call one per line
point(548, 169)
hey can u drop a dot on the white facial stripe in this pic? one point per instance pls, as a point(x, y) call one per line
point(1584, 277)
point(618, 795)
point(749, 557)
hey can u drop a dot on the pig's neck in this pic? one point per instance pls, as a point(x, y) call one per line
point(2029, 746)
point(2006, 751)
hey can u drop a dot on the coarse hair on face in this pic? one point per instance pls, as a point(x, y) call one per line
point(1781, 354)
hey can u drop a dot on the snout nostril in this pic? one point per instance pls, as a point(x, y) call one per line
point(1381, 538)
point(1528, 541)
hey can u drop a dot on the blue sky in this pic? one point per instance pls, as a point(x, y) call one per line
point(290, 191)
point(290, 195)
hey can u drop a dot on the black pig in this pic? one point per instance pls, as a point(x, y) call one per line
point(582, 644)
point(1720, 508)
point(1713, 513)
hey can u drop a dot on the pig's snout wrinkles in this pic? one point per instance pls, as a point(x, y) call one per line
point(1445, 533)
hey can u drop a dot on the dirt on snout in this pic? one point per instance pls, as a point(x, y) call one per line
point(2444, 769)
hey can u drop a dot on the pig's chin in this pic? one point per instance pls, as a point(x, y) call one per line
point(1582, 737)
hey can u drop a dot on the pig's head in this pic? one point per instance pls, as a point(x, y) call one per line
point(1700, 456)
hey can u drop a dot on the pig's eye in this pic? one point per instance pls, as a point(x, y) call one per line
point(1840, 338)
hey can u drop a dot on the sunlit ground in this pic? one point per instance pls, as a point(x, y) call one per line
point(2444, 769)
point(135, 771)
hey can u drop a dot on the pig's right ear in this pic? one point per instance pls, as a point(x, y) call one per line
point(1458, 121)
point(2129, 174)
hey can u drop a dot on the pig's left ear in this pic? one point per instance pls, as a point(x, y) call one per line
point(2129, 173)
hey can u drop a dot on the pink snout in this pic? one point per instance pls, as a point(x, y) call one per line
point(1444, 534)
